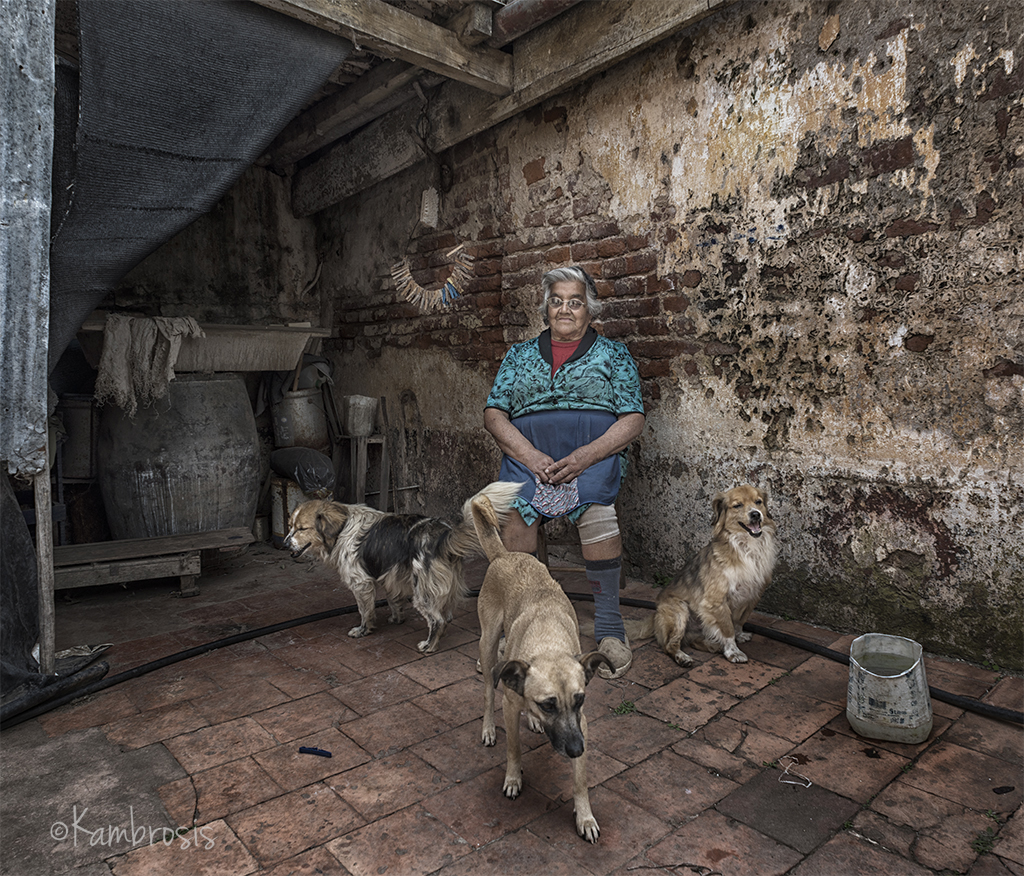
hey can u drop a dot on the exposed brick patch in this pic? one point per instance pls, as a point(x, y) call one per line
point(909, 228)
point(889, 156)
point(918, 343)
point(533, 171)
point(691, 279)
point(1004, 368)
point(907, 282)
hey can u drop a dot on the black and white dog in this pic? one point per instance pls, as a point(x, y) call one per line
point(411, 557)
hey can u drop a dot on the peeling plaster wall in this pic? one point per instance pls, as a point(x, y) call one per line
point(805, 220)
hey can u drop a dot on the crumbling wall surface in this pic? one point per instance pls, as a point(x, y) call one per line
point(247, 261)
point(805, 221)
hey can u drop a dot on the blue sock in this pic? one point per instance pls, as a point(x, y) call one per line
point(604, 576)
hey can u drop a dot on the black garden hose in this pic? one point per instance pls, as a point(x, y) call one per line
point(7, 721)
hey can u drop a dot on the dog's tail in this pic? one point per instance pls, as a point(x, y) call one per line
point(492, 504)
point(639, 629)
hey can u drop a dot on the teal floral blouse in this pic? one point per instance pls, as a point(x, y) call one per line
point(600, 376)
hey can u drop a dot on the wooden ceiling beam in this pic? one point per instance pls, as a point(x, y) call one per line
point(582, 42)
point(393, 33)
point(376, 92)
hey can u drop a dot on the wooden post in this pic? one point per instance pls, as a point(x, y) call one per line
point(44, 564)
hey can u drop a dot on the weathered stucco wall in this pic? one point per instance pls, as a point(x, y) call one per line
point(806, 222)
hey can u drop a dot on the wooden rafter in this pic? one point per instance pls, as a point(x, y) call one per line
point(582, 42)
point(393, 33)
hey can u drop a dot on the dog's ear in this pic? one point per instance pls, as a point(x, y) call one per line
point(591, 661)
point(718, 506)
point(330, 521)
point(512, 673)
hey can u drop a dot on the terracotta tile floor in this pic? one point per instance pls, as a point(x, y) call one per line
point(688, 769)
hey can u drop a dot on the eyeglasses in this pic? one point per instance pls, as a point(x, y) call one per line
point(573, 303)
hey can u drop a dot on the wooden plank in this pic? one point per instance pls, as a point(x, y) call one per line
point(576, 45)
point(44, 572)
point(391, 32)
point(133, 548)
point(118, 571)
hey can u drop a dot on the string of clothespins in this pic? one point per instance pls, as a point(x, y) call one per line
point(431, 299)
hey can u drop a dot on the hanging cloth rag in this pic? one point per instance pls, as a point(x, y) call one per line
point(138, 358)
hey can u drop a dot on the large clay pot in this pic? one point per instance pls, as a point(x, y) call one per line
point(188, 463)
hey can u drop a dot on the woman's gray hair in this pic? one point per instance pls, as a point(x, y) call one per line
point(573, 274)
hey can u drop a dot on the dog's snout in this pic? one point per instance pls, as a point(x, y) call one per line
point(755, 515)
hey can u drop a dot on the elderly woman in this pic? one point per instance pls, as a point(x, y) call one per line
point(563, 408)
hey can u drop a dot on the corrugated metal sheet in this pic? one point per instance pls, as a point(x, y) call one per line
point(26, 149)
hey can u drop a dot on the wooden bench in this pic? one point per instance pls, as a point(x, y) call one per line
point(138, 559)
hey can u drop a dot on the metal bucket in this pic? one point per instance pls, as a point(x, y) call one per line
point(300, 421)
point(188, 463)
point(358, 415)
point(887, 694)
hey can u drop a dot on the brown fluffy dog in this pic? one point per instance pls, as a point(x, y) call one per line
point(410, 557)
point(543, 671)
point(717, 590)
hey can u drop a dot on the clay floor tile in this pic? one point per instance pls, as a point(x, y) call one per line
point(136, 652)
point(298, 683)
point(293, 769)
point(373, 653)
point(685, 703)
point(550, 773)
point(774, 653)
point(303, 716)
point(841, 724)
point(989, 736)
point(625, 829)
point(903, 804)
point(719, 844)
point(315, 862)
point(381, 787)
point(671, 787)
point(376, 692)
point(209, 746)
point(320, 655)
point(652, 667)
point(285, 826)
point(410, 843)
point(438, 670)
point(459, 755)
point(961, 679)
point(851, 767)
point(898, 838)
point(737, 679)
point(457, 703)
point(210, 851)
point(455, 637)
point(244, 698)
point(784, 713)
point(968, 777)
point(179, 799)
point(817, 635)
point(845, 853)
point(949, 844)
point(478, 811)
point(792, 814)
point(744, 740)
point(154, 725)
point(231, 787)
point(819, 678)
point(1007, 693)
point(520, 853)
point(632, 738)
point(172, 685)
point(215, 612)
point(1010, 844)
point(394, 728)
point(718, 761)
point(990, 865)
point(607, 695)
point(97, 710)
